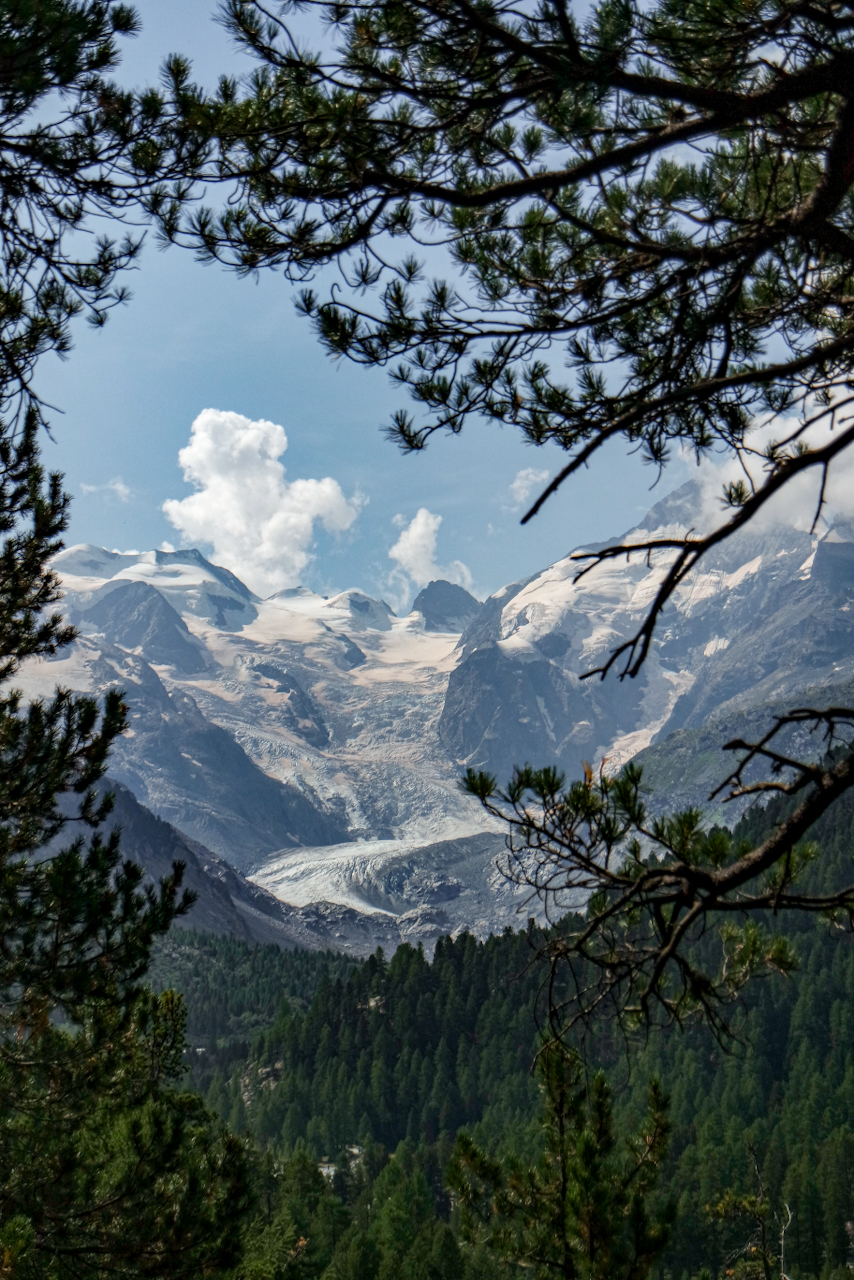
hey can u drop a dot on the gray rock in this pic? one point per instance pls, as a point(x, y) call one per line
point(299, 711)
point(683, 769)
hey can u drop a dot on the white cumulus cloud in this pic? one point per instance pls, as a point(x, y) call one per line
point(259, 523)
point(527, 480)
point(415, 553)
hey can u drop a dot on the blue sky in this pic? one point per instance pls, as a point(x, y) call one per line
point(196, 338)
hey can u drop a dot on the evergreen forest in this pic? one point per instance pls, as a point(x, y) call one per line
point(366, 1067)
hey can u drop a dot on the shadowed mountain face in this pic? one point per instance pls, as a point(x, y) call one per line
point(196, 775)
point(191, 771)
point(136, 616)
point(684, 769)
point(228, 903)
point(445, 607)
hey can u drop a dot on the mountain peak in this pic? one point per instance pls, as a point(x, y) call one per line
point(358, 610)
point(85, 560)
point(445, 606)
point(191, 583)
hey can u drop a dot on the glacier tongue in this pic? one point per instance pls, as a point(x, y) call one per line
point(440, 888)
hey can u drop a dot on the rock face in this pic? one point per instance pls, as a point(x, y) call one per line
point(298, 709)
point(136, 616)
point(683, 769)
point(445, 607)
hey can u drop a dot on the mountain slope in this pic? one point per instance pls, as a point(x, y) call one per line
point(767, 614)
point(136, 616)
point(228, 903)
point(186, 768)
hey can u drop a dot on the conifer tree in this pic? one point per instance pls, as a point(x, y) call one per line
point(582, 1212)
point(105, 1168)
point(657, 194)
point(80, 154)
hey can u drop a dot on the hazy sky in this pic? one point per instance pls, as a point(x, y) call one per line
point(197, 345)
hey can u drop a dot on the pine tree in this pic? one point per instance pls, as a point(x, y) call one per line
point(80, 155)
point(643, 187)
point(582, 1211)
point(649, 228)
point(105, 1167)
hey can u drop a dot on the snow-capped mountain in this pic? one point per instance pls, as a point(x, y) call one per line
point(766, 615)
point(259, 727)
point(326, 706)
point(317, 743)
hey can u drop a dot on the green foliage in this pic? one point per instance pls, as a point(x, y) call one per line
point(232, 988)
point(654, 888)
point(403, 1050)
point(632, 187)
point(755, 1260)
point(380, 1218)
point(581, 1210)
point(105, 1166)
point(76, 147)
point(102, 1164)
